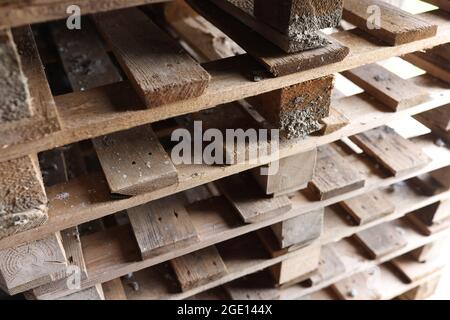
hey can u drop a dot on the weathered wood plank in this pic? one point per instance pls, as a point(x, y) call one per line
point(381, 240)
point(160, 224)
point(392, 151)
point(92, 293)
point(333, 122)
point(368, 207)
point(158, 68)
point(390, 28)
point(134, 161)
point(422, 292)
point(357, 287)
point(198, 268)
point(440, 117)
point(113, 290)
point(412, 271)
point(387, 87)
point(434, 213)
point(330, 265)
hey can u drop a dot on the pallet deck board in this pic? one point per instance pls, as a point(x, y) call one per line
point(156, 65)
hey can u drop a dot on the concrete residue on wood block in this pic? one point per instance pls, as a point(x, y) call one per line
point(23, 202)
point(15, 101)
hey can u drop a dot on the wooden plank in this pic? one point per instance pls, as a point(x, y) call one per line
point(23, 204)
point(422, 61)
point(92, 293)
point(113, 290)
point(21, 12)
point(330, 266)
point(293, 173)
point(254, 288)
point(333, 122)
point(440, 117)
point(361, 286)
point(198, 268)
point(391, 30)
point(15, 101)
point(442, 176)
point(381, 240)
point(412, 271)
point(83, 56)
point(134, 161)
point(293, 17)
point(32, 264)
point(434, 213)
point(300, 230)
point(368, 207)
point(333, 175)
point(296, 110)
point(253, 205)
point(431, 251)
point(443, 4)
point(392, 151)
point(422, 292)
point(116, 107)
point(157, 78)
point(387, 87)
point(44, 119)
point(160, 224)
point(274, 59)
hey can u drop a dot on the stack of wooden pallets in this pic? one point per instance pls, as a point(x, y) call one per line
point(92, 205)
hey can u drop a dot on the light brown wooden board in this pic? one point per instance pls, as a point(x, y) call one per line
point(84, 58)
point(439, 117)
point(15, 102)
point(45, 118)
point(333, 175)
point(392, 30)
point(116, 107)
point(368, 207)
point(160, 224)
point(21, 12)
point(304, 39)
point(158, 68)
point(381, 240)
point(423, 61)
point(361, 286)
point(299, 230)
point(412, 271)
point(23, 203)
point(30, 265)
point(273, 58)
point(198, 268)
point(387, 87)
point(334, 121)
point(293, 173)
point(134, 161)
point(113, 290)
point(252, 205)
point(392, 151)
point(422, 292)
point(330, 265)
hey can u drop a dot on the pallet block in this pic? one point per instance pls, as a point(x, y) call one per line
point(198, 268)
point(274, 59)
point(30, 265)
point(161, 73)
point(292, 173)
point(252, 205)
point(134, 161)
point(368, 207)
point(298, 109)
point(381, 240)
point(23, 201)
point(334, 175)
point(387, 87)
point(391, 30)
point(160, 225)
point(395, 153)
point(299, 230)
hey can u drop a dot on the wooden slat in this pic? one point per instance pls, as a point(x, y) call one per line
point(431, 251)
point(396, 154)
point(422, 292)
point(381, 240)
point(160, 224)
point(30, 265)
point(116, 107)
point(361, 286)
point(412, 271)
point(134, 161)
point(333, 122)
point(252, 205)
point(392, 30)
point(83, 56)
point(198, 268)
point(156, 65)
point(113, 290)
point(15, 101)
point(253, 288)
point(368, 207)
point(443, 4)
point(44, 119)
point(439, 117)
point(387, 87)
point(273, 58)
point(330, 265)
point(92, 293)
point(422, 60)
point(333, 175)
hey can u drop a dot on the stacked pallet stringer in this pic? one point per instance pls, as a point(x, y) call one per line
point(368, 200)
